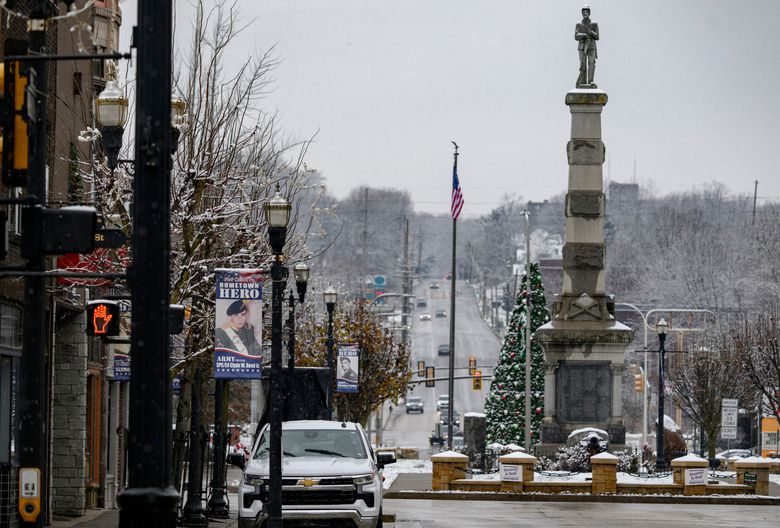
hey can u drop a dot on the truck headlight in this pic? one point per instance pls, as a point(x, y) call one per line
point(364, 483)
point(254, 480)
point(363, 479)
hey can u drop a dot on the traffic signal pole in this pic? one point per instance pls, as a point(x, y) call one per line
point(33, 394)
point(150, 498)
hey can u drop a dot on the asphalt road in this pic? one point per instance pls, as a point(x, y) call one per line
point(498, 514)
point(473, 337)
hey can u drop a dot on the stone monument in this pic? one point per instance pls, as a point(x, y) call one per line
point(584, 346)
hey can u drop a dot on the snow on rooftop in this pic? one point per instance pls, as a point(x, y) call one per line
point(604, 456)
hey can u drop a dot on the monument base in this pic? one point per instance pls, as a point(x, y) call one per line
point(584, 364)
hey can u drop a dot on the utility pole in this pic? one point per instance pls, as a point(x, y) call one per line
point(405, 274)
point(150, 498)
point(33, 393)
point(527, 332)
point(755, 198)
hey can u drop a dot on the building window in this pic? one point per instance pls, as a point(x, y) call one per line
point(10, 327)
point(8, 370)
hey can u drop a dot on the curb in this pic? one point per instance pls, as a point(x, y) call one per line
point(548, 497)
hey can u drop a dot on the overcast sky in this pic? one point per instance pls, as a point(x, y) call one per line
point(387, 84)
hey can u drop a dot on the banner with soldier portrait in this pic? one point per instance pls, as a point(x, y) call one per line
point(238, 328)
point(347, 368)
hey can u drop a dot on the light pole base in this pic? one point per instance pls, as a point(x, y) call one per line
point(218, 508)
point(143, 507)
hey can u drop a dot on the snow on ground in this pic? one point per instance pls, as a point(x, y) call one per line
point(404, 465)
point(424, 466)
point(774, 478)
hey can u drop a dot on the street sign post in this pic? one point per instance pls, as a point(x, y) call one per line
point(728, 418)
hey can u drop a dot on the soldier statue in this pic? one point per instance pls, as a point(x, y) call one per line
point(586, 33)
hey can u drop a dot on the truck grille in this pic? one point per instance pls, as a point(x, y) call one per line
point(315, 495)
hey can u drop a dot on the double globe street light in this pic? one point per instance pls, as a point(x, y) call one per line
point(111, 112)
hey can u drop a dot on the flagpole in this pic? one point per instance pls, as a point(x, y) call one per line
point(451, 393)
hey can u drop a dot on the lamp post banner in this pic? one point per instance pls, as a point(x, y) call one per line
point(347, 368)
point(121, 367)
point(238, 328)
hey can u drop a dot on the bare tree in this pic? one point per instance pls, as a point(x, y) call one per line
point(228, 163)
point(758, 349)
point(705, 375)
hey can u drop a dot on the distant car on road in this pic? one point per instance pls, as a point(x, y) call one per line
point(421, 303)
point(441, 313)
point(444, 417)
point(425, 317)
point(443, 402)
point(434, 285)
point(414, 404)
point(443, 350)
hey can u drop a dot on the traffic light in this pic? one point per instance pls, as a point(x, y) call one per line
point(430, 375)
point(476, 381)
point(14, 115)
point(103, 318)
point(472, 365)
point(639, 382)
point(421, 368)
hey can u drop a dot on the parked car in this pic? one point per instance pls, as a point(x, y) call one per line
point(425, 317)
point(331, 475)
point(443, 350)
point(732, 453)
point(441, 313)
point(443, 402)
point(434, 285)
point(414, 404)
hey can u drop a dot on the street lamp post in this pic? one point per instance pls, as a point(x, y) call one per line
point(301, 271)
point(277, 215)
point(330, 296)
point(192, 513)
point(660, 461)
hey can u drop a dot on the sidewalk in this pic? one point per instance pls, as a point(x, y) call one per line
point(110, 519)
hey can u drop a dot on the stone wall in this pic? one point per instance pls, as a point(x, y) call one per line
point(69, 428)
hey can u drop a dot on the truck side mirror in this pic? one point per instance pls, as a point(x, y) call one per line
point(384, 459)
point(236, 459)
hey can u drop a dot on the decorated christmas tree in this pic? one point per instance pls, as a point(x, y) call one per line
point(505, 403)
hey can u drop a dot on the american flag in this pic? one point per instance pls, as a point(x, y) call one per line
point(457, 197)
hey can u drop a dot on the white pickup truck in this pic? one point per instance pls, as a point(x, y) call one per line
point(330, 476)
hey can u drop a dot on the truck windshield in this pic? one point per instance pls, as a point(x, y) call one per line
point(316, 443)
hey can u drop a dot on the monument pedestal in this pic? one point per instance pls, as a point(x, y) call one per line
point(584, 346)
